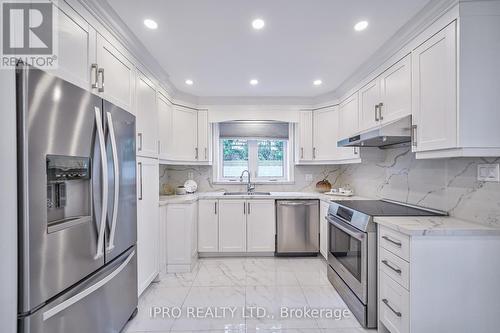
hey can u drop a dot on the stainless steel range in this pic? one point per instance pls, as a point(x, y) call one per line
point(352, 251)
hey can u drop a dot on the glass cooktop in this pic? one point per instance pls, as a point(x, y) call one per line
point(383, 208)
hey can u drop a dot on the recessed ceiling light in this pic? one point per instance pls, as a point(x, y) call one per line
point(317, 82)
point(189, 82)
point(254, 82)
point(258, 24)
point(149, 23)
point(360, 26)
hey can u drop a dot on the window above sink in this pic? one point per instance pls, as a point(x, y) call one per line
point(263, 148)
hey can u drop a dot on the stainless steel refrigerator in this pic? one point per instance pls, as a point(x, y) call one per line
point(77, 208)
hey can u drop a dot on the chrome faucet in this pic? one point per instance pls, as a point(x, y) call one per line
point(250, 187)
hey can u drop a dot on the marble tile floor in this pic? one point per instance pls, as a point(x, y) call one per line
point(239, 295)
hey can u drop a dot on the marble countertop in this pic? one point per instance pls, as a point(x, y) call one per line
point(435, 226)
point(188, 198)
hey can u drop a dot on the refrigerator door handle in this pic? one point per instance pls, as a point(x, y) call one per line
point(104, 170)
point(116, 170)
point(74, 299)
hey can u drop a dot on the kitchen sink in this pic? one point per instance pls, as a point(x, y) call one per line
point(247, 193)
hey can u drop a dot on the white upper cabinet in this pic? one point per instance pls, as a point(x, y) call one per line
point(203, 153)
point(184, 133)
point(208, 226)
point(305, 136)
point(387, 97)
point(349, 116)
point(369, 99)
point(318, 133)
point(435, 92)
point(324, 139)
point(165, 111)
point(146, 117)
point(232, 226)
point(77, 48)
point(395, 91)
point(261, 224)
point(115, 77)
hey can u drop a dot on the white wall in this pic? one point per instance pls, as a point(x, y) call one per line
point(8, 203)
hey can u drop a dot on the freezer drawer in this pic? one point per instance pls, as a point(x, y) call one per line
point(102, 303)
point(297, 227)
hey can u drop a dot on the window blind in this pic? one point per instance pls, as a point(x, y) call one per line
point(254, 129)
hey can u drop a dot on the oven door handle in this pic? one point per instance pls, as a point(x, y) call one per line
point(351, 231)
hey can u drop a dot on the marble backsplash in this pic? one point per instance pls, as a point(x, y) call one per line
point(177, 175)
point(445, 184)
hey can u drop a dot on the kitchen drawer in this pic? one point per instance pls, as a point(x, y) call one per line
point(395, 267)
point(395, 242)
point(394, 305)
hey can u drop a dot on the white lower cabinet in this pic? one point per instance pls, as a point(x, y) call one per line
point(261, 226)
point(232, 226)
point(394, 303)
point(236, 226)
point(148, 230)
point(208, 226)
point(435, 282)
point(180, 222)
point(323, 229)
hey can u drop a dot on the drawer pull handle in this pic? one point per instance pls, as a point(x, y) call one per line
point(392, 241)
point(386, 302)
point(397, 270)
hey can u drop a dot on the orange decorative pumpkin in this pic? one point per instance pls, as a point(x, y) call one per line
point(323, 185)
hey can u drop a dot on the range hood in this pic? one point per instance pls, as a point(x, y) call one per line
point(393, 133)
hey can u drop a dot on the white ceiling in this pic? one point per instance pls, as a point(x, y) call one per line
point(212, 41)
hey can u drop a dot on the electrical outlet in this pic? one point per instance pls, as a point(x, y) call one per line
point(309, 177)
point(190, 175)
point(488, 172)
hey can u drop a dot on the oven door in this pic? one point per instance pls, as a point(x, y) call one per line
point(347, 254)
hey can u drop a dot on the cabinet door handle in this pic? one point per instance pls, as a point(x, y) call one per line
point(244, 208)
point(140, 183)
point(314, 153)
point(355, 151)
point(376, 113)
point(248, 210)
point(93, 69)
point(101, 72)
point(196, 153)
point(380, 105)
point(140, 141)
point(414, 135)
point(386, 302)
point(397, 270)
point(215, 208)
point(301, 152)
point(398, 244)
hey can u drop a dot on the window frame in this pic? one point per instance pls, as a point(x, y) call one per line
point(288, 174)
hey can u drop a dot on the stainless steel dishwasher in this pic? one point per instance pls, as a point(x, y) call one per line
point(297, 226)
